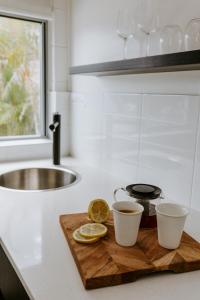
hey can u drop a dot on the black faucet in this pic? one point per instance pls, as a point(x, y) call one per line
point(55, 128)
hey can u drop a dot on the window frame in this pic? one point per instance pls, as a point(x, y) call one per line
point(44, 78)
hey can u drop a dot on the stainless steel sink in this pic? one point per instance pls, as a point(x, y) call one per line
point(38, 179)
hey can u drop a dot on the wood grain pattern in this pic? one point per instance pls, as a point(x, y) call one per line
point(105, 263)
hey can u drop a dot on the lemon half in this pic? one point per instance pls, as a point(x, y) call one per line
point(98, 211)
point(84, 240)
point(93, 230)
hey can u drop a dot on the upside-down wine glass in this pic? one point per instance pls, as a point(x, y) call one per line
point(146, 19)
point(171, 39)
point(125, 28)
point(192, 35)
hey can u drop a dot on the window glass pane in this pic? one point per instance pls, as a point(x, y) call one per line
point(21, 78)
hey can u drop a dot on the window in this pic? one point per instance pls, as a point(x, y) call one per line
point(22, 78)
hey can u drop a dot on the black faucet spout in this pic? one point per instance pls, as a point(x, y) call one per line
point(55, 128)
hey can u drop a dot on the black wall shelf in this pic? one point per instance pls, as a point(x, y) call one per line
point(181, 61)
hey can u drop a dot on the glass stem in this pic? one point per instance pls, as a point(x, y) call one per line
point(125, 47)
point(148, 44)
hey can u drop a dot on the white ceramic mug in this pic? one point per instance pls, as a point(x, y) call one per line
point(126, 224)
point(171, 220)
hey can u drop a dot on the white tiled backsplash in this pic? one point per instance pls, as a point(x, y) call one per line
point(141, 137)
point(141, 128)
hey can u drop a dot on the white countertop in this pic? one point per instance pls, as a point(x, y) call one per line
point(33, 239)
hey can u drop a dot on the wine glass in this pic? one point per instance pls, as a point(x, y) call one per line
point(147, 21)
point(171, 39)
point(125, 28)
point(192, 35)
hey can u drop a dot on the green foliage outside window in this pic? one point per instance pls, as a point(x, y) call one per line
point(20, 68)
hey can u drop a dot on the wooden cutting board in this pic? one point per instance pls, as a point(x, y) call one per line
point(105, 263)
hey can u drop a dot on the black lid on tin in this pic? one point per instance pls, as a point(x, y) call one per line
point(143, 191)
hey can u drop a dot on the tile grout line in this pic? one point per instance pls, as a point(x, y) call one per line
point(195, 157)
point(139, 139)
point(153, 93)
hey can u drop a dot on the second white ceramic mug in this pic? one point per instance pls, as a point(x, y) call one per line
point(126, 224)
point(171, 220)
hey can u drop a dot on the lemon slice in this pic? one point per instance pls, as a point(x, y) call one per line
point(84, 240)
point(93, 230)
point(98, 211)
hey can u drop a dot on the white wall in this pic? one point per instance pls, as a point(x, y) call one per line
point(58, 67)
point(94, 37)
point(39, 7)
point(141, 128)
point(56, 13)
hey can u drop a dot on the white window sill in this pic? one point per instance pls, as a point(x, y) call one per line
point(25, 142)
point(14, 150)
